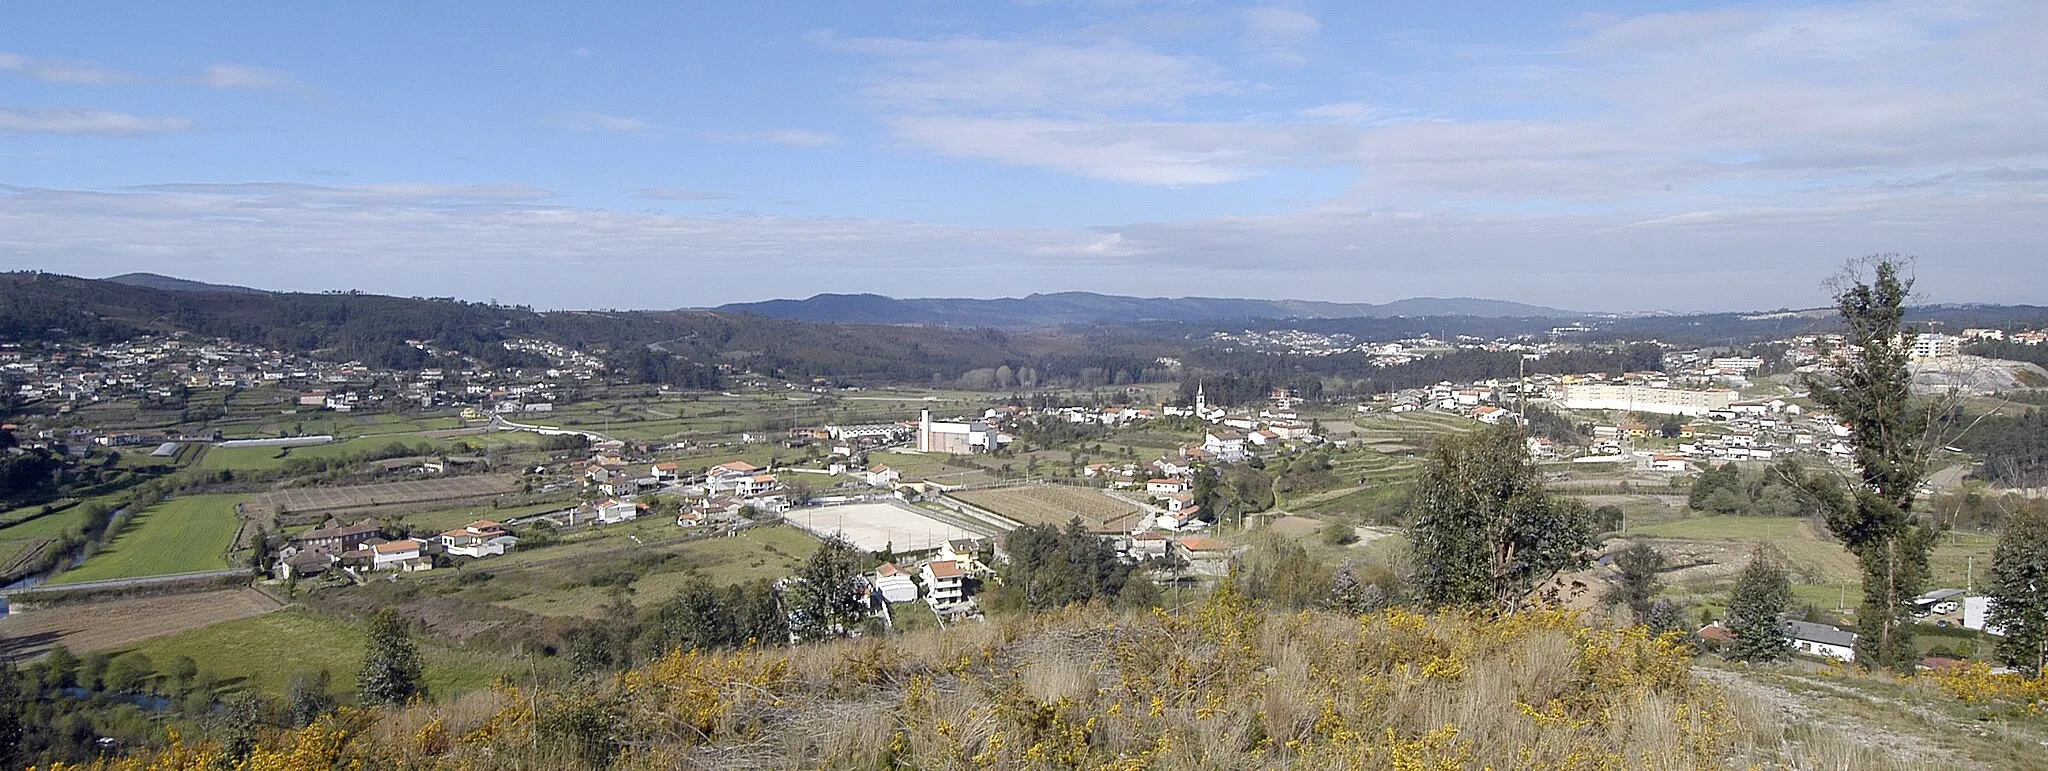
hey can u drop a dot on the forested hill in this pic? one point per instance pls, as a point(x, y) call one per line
point(1064, 308)
point(663, 346)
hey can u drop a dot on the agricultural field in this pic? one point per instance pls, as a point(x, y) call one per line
point(755, 554)
point(273, 458)
point(180, 535)
point(440, 520)
point(264, 653)
point(303, 499)
point(1822, 572)
point(1056, 505)
point(117, 624)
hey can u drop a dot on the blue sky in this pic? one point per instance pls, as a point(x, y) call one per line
point(1594, 155)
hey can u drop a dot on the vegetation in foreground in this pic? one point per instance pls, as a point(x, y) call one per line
point(1224, 686)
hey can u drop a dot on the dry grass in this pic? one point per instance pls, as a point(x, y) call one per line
point(1222, 687)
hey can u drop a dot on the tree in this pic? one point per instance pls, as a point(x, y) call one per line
point(1637, 584)
point(15, 695)
point(1762, 591)
point(1277, 571)
point(1337, 533)
point(828, 596)
point(129, 673)
point(2019, 591)
point(1485, 530)
point(1052, 568)
point(1872, 394)
point(306, 699)
point(391, 671)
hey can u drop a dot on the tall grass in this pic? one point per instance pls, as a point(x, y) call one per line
point(1225, 686)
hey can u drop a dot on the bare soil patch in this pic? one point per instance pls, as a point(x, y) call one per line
point(115, 624)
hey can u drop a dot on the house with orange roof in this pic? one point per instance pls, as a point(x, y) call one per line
point(482, 538)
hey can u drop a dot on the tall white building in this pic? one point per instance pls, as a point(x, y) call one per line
point(1631, 398)
point(1935, 346)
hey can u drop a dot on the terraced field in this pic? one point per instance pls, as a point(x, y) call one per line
point(1055, 505)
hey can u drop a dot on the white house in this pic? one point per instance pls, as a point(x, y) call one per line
point(402, 554)
point(730, 476)
point(882, 476)
point(1227, 446)
point(945, 583)
point(1165, 486)
point(482, 538)
point(959, 550)
point(1821, 640)
point(615, 510)
point(1977, 615)
point(894, 584)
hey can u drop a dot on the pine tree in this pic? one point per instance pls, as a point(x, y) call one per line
point(2019, 591)
point(1874, 519)
point(1485, 531)
point(1762, 591)
point(1637, 585)
point(391, 671)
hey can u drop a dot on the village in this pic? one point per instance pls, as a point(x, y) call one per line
point(930, 497)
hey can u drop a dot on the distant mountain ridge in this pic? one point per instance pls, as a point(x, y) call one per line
point(173, 284)
point(1062, 308)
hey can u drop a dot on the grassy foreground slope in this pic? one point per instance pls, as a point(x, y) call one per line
point(1223, 686)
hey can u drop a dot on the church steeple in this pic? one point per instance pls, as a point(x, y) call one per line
point(1201, 401)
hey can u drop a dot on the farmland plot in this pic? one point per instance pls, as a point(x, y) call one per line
point(1055, 505)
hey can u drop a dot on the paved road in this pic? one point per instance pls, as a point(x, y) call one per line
point(1949, 478)
point(500, 422)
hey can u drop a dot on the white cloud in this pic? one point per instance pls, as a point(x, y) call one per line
point(242, 77)
point(680, 194)
point(61, 71)
point(1136, 152)
point(797, 137)
point(590, 120)
point(86, 121)
point(972, 73)
point(224, 75)
point(1279, 33)
point(407, 192)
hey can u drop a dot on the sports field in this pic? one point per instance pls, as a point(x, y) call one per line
point(180, 535)
point(876, 526)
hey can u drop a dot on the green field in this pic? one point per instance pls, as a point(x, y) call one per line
point(273, 458)
point(1737, 528)
point(181, 535)
point(264, 654)
point(760, 553)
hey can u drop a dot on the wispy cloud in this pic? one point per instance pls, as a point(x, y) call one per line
point(796, 137)
point(63, 71)
point(590, 120)
point(681, 194)
point(223, 75)
point(242, 77)
point(85, 121)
